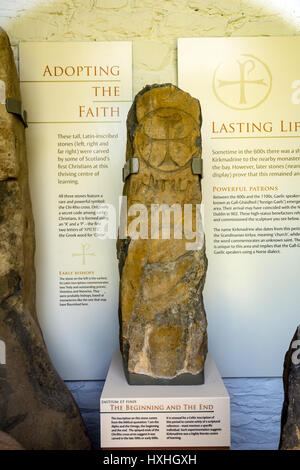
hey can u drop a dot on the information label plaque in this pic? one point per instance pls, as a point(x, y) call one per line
point(249, 90)
point(164, 416)
point(77, 96)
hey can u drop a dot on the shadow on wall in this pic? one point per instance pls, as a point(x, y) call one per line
point(152, 25)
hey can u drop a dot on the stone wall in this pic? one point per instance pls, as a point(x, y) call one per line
point(152, 25)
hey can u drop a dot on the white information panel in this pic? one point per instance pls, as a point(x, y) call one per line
point(164, 416)
point(249, 90)
point(77, 96)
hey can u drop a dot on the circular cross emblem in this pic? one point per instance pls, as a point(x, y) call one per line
point(167, 139)
point(242, 83)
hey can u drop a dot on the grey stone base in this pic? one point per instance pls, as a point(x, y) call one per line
point(182, 379)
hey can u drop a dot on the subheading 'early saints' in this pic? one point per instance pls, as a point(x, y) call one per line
point(162, 257)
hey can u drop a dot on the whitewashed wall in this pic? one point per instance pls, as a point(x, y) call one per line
point(152, 25)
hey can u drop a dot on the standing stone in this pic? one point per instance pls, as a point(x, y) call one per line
point(36, 408)
point(290, 417)
point(9, 443)
point(162, 319)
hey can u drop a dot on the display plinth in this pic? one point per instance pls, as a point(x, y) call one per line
point(160, 416)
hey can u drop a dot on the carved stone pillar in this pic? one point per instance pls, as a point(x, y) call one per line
point(162, 318)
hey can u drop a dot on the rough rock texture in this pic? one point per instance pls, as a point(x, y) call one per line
point(162, 318)
point(290, 417)
point(35, 406)
point(9, 443)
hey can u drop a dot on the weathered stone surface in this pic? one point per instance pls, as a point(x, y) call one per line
point(162, 319)
point(290, 417)
point(9, 443)
point(35, 406)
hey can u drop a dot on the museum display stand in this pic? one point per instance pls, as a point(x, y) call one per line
point(164, 416)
